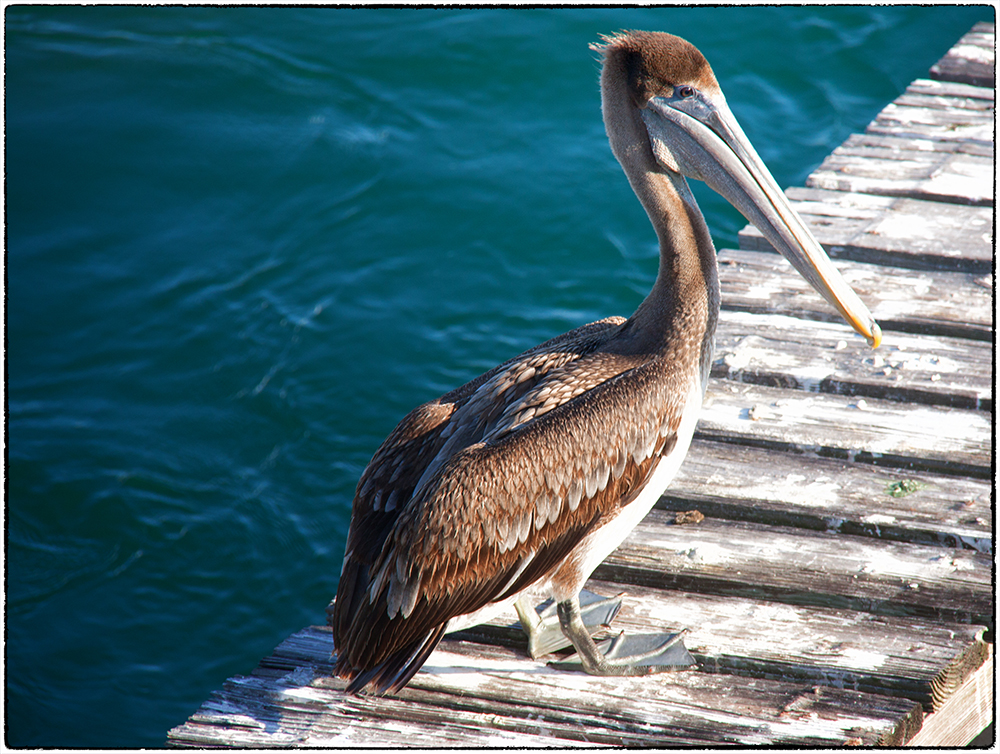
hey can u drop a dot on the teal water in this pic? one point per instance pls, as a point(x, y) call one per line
point(242, 243)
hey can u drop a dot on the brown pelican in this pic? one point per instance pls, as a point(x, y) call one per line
point(538, 469)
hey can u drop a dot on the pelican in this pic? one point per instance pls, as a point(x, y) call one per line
point(534, 472)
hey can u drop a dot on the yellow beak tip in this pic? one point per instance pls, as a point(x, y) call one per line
point(876, 338)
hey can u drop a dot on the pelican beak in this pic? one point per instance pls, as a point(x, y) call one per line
point(700, 136)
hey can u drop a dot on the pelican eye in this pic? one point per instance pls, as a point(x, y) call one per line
point(684, 91)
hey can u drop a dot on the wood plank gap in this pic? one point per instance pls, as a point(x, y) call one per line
point(883, 460)
point(765, 487)
point(795, 567)
point(931, 438)
point(947, 304)
point(906, 234)
point(785, 352)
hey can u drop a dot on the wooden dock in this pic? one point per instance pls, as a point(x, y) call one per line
point(839, 588)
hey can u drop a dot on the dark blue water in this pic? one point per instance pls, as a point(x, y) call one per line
point(242, 243)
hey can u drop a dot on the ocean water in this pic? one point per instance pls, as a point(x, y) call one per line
point(243, 243)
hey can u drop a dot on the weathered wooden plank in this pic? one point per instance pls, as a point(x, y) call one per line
point(954, 304)
point(972, 60)
point(744, 483)
point(895, 231)
point(781, 351)
point(967, 110)
point(922, 117)
point(949, 113)
point(250, 712)
point(961, 93)
point(869, 430)
point(477, 695)
point(954, 178)
point(967, 712)
point(835, 646)
point(825, 569)
point(900, 147)
point(670, 709)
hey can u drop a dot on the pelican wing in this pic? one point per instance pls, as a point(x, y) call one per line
point(416, 448)
point(494, 486)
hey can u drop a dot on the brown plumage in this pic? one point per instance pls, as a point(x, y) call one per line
point(537, 469)
point(445, 551)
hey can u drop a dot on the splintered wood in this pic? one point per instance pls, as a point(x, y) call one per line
point(827, 544)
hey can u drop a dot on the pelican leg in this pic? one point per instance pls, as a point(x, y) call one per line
point(545, 633)
point(623, 656)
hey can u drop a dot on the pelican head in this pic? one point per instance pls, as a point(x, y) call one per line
point(665, 113)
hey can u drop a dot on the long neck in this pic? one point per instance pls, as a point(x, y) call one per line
point(687, 284)
point(679, 315)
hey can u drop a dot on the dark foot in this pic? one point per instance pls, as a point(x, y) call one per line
point(640, 654)
point(623, 655)
point(545, 634)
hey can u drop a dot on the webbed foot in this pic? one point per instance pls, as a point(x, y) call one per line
point(622, 656)
point(545, 634)
point(639, 654)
